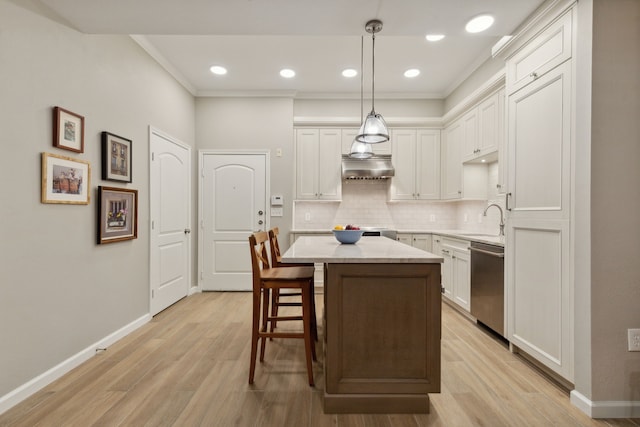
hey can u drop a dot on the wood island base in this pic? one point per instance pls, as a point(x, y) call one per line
point(382, 337)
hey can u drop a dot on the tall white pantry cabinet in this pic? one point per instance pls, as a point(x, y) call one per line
point(539, 147)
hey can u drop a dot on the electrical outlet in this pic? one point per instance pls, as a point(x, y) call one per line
point(432, 218)
point(634, 339)
point(307, 216)
point(466, 218)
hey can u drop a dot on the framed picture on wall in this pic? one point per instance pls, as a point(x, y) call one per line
point(65, 180)
point(117, 214)
point(116, 158)
point(68, 130)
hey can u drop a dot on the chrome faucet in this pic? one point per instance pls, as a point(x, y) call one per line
point(501, 217)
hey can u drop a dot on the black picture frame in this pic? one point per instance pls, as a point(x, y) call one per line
point(117, 159)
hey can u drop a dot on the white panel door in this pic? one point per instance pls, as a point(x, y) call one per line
point(233, 205)
point(170, 201)
point(537, 249)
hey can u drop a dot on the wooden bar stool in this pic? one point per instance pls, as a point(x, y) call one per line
point(276, 261)
point(267, 278)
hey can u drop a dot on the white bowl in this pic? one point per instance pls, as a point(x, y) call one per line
point(348, 236)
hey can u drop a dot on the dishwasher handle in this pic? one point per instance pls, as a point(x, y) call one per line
point(482, 251)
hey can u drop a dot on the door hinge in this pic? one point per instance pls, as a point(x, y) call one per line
point(153, 156)
point(153, 293)
point(153, 225)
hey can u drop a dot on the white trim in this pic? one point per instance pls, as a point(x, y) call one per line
point(492, 85)
point(151, 50)
point(607, 408)
point(356, 121)
point(27, 389)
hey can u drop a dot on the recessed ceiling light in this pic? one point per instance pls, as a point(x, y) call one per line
point(216, 69)
point(479, 23)
point(349, 72)
point(434, 37)
point(413, 72)
point(287, 73)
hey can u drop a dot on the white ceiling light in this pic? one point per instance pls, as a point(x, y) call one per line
point(216, 69)
point(413, 72)
point(349, 72)
point(287, 73)
point(479, 23)
point(434, 37)
point(374, 129)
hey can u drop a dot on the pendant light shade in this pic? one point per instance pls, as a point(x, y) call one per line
point(361, 150)
point(374, 129)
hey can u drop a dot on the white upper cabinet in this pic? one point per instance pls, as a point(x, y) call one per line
point(416, 158)
point(545, 52)
point(482, 129)
point(451, 161)
point(318, 164)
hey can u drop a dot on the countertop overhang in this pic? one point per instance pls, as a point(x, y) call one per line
point(370, 249)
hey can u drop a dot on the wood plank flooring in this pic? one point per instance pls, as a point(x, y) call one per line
point(189, 367)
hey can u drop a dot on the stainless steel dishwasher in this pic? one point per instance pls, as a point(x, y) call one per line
point(487, 285)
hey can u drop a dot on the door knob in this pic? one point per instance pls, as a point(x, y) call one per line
point(260, 222)
point(260, 213)
point(187, 231)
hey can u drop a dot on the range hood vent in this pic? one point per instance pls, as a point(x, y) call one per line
point(376, 167)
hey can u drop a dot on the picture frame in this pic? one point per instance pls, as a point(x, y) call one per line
point(117, 214)
point(65, 180)
point(116, 158)
point(68, 130)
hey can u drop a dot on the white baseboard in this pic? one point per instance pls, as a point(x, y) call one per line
point(194, 290)
point(606, 409)
point(19, 394)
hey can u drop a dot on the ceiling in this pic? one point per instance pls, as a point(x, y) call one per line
point(254, 39)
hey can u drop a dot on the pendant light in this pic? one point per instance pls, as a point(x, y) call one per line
point(374, 129)
point(361, 150)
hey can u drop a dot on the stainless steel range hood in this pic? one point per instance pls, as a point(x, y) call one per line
point(376, 167)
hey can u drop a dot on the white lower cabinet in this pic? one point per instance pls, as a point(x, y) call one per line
point(417, 240)
point(456, 269)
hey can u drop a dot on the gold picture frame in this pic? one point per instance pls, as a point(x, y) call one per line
point(65, 180)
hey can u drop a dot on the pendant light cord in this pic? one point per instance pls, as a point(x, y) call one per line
point(373, 73)
point(361, 80)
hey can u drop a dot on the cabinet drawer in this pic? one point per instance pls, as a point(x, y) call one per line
point(543, 53)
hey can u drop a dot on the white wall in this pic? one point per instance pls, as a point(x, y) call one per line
point(60, 292)
point(615, 199)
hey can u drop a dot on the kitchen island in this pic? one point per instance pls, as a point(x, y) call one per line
point(381, 323)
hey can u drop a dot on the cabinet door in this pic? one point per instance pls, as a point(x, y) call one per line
point(428, 164)
point(461, 272)
point(329, 159)
point(422, 241)
point(451, 162)
point(403, 184)
point(502, 145)
point(446, 271)
point(307, 143)
point(551, 48)
point(537, 250)
point(404, 238)
point(469, 144)
point(488, 125)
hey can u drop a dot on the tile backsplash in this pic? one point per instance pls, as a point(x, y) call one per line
point(366, 204)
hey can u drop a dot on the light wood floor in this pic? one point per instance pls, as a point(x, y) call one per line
point(189, 367)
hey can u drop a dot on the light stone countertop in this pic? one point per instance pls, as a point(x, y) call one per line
point(474, 236)
point(370, 249)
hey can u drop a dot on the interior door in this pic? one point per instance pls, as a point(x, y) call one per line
point(233, 205)
point(170, 201)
